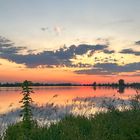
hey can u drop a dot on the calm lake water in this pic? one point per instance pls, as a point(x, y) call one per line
point(10, 97)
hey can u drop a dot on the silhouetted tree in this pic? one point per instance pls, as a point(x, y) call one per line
point(26, 108)
point(121, 82)
point(94, 84)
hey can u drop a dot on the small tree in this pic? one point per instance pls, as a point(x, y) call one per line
point(121, 82)
point(26, 108)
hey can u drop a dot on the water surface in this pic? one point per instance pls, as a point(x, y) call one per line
point(10, 97)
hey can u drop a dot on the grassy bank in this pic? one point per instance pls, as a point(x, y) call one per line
point(113, 125)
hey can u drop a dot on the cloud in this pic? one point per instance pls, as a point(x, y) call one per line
point(92, 71)
point(60, 57)
point(63, 57)
point(130, 51)
point(57, 29)
point(108, 51)
point(110, 69)
point(103, 41)
point(137, 43)
point(83, 48)
point(8, 47)
point(44, 29)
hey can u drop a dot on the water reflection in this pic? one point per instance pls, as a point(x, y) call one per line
point(10, 97)
point(121, 89)
point(53, 103)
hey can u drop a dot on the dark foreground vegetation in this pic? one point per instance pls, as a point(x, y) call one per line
point(110, 125)
point(113, 125)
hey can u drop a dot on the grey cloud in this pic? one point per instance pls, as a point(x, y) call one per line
point(44, 29)
point(92, 72)
point(61, 56)
point(137, 43)
point(109, 69)
point(8, 47)
point(82, 49)
point(108, 51)
point(57, 29)
point(113, 67)
point(130, 51)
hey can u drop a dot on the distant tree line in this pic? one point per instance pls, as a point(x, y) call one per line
point(37, 84)
point(120, 84)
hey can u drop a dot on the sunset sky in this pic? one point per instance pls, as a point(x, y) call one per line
point(79, 41)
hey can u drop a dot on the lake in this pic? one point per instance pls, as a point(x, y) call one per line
point(53, 103)
point(10, 96)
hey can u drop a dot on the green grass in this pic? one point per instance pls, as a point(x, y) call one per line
point(113, 125)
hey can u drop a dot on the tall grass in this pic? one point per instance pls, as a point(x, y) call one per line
point(114, 125)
